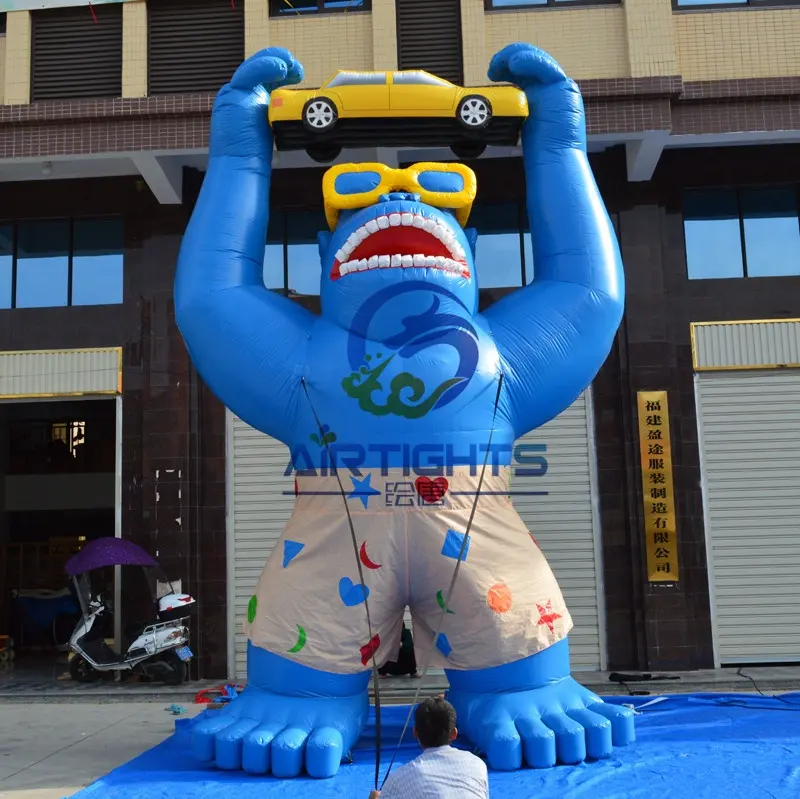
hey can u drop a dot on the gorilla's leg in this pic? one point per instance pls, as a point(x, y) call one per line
point(309, 652)
point(504, 640)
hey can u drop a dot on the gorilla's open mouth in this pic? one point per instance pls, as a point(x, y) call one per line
point(401, 240)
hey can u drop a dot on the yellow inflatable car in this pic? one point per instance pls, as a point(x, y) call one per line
point(404, 108)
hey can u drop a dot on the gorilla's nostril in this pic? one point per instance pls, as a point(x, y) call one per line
point(398, 195)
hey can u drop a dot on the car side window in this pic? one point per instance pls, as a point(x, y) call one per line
point(358, 79)
point(418, 79)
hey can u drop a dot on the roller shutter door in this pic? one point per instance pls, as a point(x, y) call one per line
point(564, 523)
point(258, 510)
point(562, 519)
point(749, 425)
point(193, 45)
point(429, 37)
point(72, 57)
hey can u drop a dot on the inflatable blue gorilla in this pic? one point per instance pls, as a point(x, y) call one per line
point(407, 388)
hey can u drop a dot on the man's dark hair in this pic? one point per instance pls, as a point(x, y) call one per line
point(435, 721)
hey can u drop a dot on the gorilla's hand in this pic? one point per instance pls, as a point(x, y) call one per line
point(555, 106)
point(239, 125)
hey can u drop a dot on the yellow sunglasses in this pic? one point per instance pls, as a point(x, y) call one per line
point(346, 187)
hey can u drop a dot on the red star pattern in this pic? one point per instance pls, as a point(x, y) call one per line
point(547, 615)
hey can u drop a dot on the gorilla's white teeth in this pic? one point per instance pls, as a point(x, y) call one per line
point(418, 261)
point(441, 231)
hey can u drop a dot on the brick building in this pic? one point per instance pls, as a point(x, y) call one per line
point(694, 129)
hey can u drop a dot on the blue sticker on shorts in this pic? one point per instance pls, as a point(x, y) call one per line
point(443, 645)
point(452, 545)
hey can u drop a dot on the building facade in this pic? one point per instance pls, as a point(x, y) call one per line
point(694, 135)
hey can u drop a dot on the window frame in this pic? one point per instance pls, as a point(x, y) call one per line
point(285, 213)
point(522, 223)
point(14, 225)
point(728, 5)
point(737, 190)
point(279, 9)
point(488, 5)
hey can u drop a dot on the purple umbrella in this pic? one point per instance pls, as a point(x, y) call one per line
point(107, 552)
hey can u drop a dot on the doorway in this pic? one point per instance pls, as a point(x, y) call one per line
point(58, 490)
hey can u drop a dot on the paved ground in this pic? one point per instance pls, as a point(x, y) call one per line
point(56, 737)
point(51, 752)
point(25, 686)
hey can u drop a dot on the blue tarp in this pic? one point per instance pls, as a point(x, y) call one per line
point(711, 746)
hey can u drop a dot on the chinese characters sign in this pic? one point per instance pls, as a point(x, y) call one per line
point(657, 487)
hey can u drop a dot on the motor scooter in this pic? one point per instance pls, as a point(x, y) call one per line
point(157, 649)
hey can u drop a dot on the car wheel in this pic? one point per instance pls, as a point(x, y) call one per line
point(319, 115)
point(467, 150)
point(474, 112)
point(324, 154)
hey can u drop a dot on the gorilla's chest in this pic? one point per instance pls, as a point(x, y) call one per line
point(430, 386)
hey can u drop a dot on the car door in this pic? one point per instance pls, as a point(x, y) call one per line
point(417, 92)
point(358, 92)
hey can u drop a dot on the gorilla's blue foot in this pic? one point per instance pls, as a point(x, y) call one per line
point(288, 720)
point(532, 712)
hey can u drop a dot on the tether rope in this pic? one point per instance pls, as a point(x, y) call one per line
point(446, 604)
point(371, 643)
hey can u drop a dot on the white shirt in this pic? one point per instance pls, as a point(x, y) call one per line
point(440, 772)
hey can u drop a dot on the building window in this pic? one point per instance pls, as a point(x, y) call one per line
point(55, 263)
point(285, 8)
point(523, 4)
point(733, 233)
point(693, 4)
point(3, 23)
point(503, 255)
point(291, 255)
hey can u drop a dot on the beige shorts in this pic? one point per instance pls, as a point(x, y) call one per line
point(309, 605)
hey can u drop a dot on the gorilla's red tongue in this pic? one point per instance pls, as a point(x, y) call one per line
point(402, 240)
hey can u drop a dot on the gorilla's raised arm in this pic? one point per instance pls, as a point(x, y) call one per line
point(246, 341)
point(555, 334)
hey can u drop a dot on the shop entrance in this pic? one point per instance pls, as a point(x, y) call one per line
point(58, 490)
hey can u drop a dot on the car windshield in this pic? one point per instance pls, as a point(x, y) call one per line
point(358, 79)
point(419, 78)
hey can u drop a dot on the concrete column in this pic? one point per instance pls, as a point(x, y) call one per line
point(134, 49)
point(384, 35)
point(256, 26)
point(651, 38)
point(18, 58)
point(473, 43)
point(2, 69)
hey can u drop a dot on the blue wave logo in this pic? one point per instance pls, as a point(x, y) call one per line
point(408, 396)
